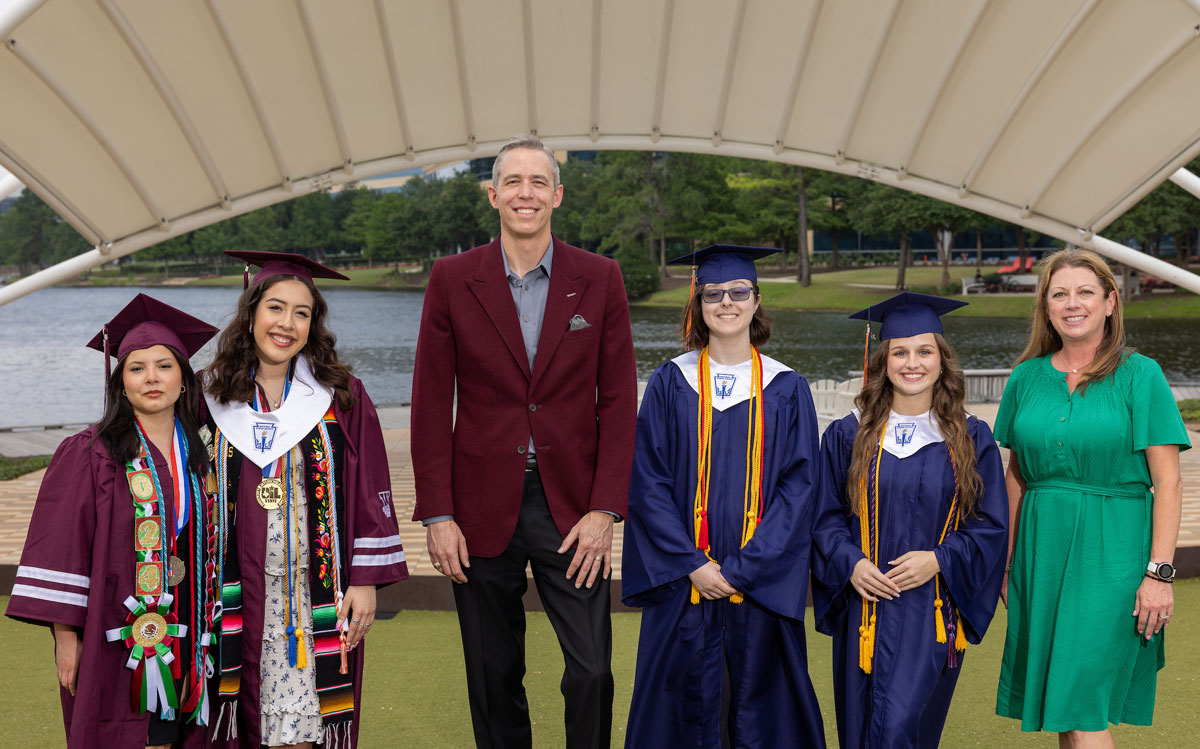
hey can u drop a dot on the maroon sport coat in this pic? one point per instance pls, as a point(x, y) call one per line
point(579, 403)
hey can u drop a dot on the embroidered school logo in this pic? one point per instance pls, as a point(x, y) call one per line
point(386, 499)
point(264, 436)
point(904, 433)
point(723, 385)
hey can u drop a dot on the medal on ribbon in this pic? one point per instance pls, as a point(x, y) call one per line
point(149, 632)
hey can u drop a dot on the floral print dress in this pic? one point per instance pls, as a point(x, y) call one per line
point(289, 710)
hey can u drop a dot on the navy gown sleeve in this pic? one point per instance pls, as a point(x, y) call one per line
point(658, 548)
point(835, 550)
point(773, 567)
point(972, 558)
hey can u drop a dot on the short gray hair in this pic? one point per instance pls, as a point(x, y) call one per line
point(525, 141)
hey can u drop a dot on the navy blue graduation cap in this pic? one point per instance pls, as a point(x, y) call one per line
point(908, 314)
point(719, 263)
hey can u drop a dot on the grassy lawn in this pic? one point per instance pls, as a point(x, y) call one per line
point(851, 290)
point(415, 692)
point(10, 468)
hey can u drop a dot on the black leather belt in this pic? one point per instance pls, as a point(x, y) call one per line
point(530, 462)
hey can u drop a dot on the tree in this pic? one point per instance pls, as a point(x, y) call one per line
point(830, 198)
point(804, 267)
point(210, 242)
point(26, 232)
point(456, 211)
point(310, 224)
point(259, 230)
point(889, 211)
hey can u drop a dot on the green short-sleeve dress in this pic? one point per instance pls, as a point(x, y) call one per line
point(1072, 657)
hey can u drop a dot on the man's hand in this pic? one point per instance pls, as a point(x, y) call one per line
point(68, 652)
point(592, 538)
point(359, 606)
point(447, 547)
point(710, 582)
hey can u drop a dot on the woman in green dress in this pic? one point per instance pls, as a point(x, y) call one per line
point(1092, 428)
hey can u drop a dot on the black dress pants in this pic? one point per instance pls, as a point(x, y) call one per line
point(491, 617)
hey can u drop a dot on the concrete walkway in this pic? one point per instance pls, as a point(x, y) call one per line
point(17, 497)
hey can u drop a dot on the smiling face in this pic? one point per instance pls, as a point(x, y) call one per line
point(1077, 306)
point(525, 194)
point(913, 366)
point(281, 321)
point(729, 319)
point(151, 378)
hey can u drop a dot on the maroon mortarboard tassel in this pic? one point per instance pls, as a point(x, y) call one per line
point(246, 277)
point(107, 364)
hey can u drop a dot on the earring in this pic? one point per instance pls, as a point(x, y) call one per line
point(124, 393)
point(183, 388)
point(251, 328)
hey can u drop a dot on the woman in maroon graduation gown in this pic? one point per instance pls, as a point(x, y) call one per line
point(302, 469)
point(115, 558)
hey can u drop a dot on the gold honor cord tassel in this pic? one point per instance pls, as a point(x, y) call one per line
point(703, 454)
point(868, 521)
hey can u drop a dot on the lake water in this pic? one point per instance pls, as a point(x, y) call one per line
point(52, 378)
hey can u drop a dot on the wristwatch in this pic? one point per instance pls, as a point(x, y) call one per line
point(1162, 570)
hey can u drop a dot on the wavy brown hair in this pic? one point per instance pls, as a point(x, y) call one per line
point(1044, 339)
point(696, 336)
point(229, 376)
point(116, 427)
point(949, 396)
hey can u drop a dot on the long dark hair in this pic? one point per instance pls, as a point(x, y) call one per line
point(229, 379)
point(696, 337)
point(116, 428)
point(874, 404)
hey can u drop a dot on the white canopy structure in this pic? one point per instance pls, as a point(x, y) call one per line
point(138, 120)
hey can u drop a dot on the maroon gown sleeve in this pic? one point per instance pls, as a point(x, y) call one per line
point(54, 576)
point(375, 552)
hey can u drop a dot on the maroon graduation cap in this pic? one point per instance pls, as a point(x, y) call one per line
point(281, 264)
point(146, 322)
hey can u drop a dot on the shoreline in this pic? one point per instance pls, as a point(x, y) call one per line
point(841, 291)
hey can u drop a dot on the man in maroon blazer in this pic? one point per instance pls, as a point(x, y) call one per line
point(535, 335)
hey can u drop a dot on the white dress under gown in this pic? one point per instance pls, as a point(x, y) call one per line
point(289, 710)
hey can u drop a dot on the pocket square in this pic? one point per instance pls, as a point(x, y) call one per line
point(578, 323)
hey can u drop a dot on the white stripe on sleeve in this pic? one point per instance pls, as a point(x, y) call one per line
point(376, 560)
point(376, 542)
point(53, 576)
point(49, 594)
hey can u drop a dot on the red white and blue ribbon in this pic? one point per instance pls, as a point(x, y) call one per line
point(180, 479)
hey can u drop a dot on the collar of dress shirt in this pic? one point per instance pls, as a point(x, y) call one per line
point(544, 264)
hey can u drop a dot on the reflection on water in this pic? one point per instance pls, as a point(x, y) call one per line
point(51, 377)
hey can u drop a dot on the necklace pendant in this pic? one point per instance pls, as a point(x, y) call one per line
point(269, 493)
point(176, 571)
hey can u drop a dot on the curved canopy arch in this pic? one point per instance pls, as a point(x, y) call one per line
point(138, 120)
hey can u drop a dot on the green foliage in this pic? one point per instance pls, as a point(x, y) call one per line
point(11, 468)
point(637, 269)
point(1189, 409)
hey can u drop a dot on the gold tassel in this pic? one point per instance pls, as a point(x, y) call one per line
point(344, 667)
point(735, 598)
point(938, 622)
point(960, 638)
point(863, 662)
point(695, 595)
point(301, 651)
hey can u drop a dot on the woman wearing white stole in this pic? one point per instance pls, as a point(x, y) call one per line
point(303, 477)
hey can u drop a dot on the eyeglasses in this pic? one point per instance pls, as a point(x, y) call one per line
point(736, 294)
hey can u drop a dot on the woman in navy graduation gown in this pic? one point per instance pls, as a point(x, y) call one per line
point(903, 598)
point(721, 504)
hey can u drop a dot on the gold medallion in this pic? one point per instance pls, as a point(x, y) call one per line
point(269, 493)
point(141, 485)
point(149, 629)
point(175, 571)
